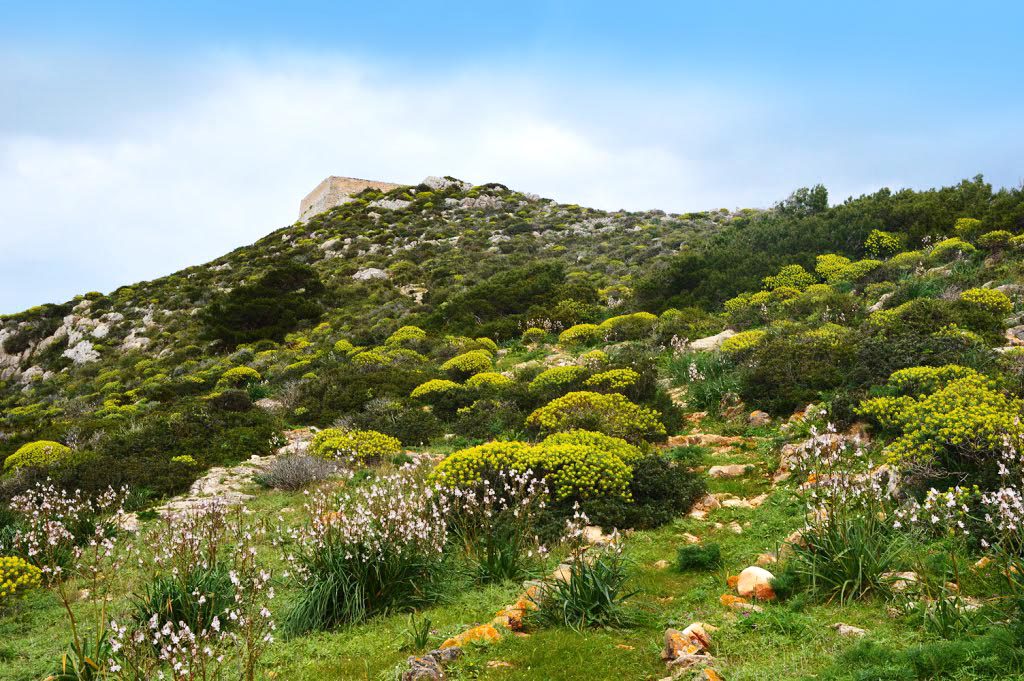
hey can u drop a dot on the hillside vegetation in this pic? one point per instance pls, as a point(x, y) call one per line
point(509, 438)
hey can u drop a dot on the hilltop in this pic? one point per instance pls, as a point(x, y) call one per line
point(456, 431)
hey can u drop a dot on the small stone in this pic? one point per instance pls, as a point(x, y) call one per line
point(661, 564)
point(485, 632)
point(766, 559)
point(900, 581)
point(848, 630)
point(756, 582)
point(735, 527)
point(983, 563)
point(708, 502)
point(691, 538)
point(499, 664)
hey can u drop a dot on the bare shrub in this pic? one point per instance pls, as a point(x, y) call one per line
point(297, 471)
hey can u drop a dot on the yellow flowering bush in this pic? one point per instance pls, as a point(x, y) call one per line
point(967, 419)
point(434, 387)
point(343, 346)
point(534, 335)
point(790, 275)
point(371, 359)
point(581, 334)
point(995, 240)
point(488, 344)
point(557, 378)
point(613, 380)
point(920, 380)
point(628, 326)
point(967, 228)
point(988, 299)
point(589, 438)
point(468, 363)
point(905, 260)
point(950, 248)
point(16, 577)
point(881, 244)
point(488, 379)
point(239, 376)
point(744, 340)
point(612, 414)
point(39, 454)
point(835, 268)
point(1017, 242)
point(572, 471)
point(406, 334)
point(359, 446)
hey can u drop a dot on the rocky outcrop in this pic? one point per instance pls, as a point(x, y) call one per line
point(711, 342)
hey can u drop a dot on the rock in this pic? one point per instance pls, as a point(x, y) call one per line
point(758, 418)
point(691, 538)
point(712, 342)
point(430, 667)
point(707, 502)
point(595, 536)
point(983, 563)
point(734, 470)
point(735, 527)
point(900, 582)
point(709, 675)
point(880, 303)
point(442, 183)
point(697, 515)
point(269, 404)
point(390, 204)
point(370, 273)
point(562, 573)
point(661, 564)
point(708, 440)
point(848, 630)
point(485, 632)
point(128, 522)
point(756, 582)
point(82, 353)
point(739, 604)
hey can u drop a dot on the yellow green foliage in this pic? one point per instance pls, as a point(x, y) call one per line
point(571, 470)
point(790, 275)
point(16, 577)
point(988, 299)
point(534, 335)
point(469, 363)
point(406, 334)
point(744, 340)
point(434, 387)
point(1017, 242)
point(581, 334)
point(906, 260)
point(967, 228)
point(489, 379)
point(881, 244)
point(835, 268)
point(950, 248)
point(343, 346)
point(39, 454)
point(613, 380)
point(612, 414)
point(628, 326)
point(239, 376)
point(589, 438)
point(781, 294)
point(968, 418)
point(921, 380)
point(557, 377)
point(995, 240)
point(185, 460)
point(954, 331)
point(488, 344)
point(829, 334)
point(371, 358)
point(359, 446)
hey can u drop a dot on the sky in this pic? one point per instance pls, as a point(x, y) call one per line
point(140, 138)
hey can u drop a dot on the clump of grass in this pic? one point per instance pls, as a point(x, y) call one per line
point(594, 595)
point(698, 558)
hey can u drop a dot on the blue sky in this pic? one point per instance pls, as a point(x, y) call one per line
point(138, 138)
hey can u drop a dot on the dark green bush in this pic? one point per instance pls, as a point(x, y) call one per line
point(698, 558)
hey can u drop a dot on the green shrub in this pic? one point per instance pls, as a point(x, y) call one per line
point(948, 249)
point(989, 300)
point(995, 240)
point(358, 446)
point(614, 380)
point(794, 276)
point(39, 454)
point(533, 335)
point(240, 376)
point(488, 344)
point(967, 228)
point(468, 363)
point(612, 414)
point(434, 387)
point(557, 379)
point(489, 380)
point(194, 597)
point(16, 577)
point(628, 327)
point(699, 557)
point(581, 334)
point(742, 342)
point(881, 244)
point(406, 335)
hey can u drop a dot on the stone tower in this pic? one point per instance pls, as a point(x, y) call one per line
point(335, 191)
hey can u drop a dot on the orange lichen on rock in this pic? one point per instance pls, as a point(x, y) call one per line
point(732, 581)
point(485, 633)
point(728, 600)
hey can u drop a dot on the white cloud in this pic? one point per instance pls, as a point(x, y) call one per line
point(180, 175)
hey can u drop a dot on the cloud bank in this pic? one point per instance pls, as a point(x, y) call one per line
point(114, 173)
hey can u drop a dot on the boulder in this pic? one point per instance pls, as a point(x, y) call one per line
point(734, 470)
point(712, 342)
point(756, 582)
point(848, 630)
point(370, 273)
point(758, 418)
point(900, 581)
